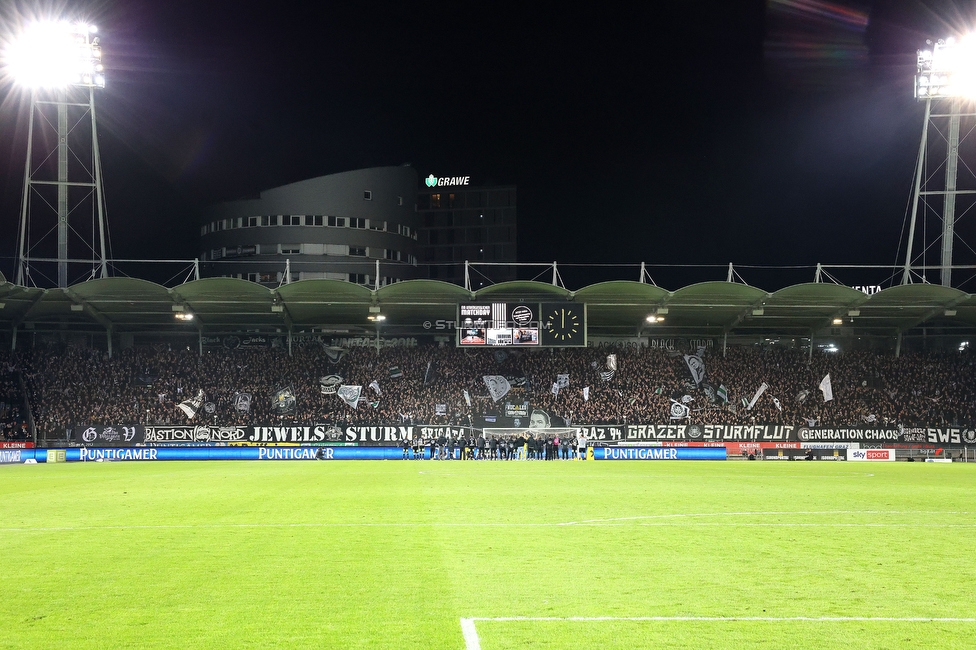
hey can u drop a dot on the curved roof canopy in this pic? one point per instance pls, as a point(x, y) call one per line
point(616, 308)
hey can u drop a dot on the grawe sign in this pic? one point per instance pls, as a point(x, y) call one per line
point(446, 181)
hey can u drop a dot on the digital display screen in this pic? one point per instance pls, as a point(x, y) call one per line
point(498, 324)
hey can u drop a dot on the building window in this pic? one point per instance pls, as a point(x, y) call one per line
point(367, 195)
point(357, 222)
point(359, 278)
point(205, 229)
point(291, 249)
point(317, 220)
point(377, 225)
point(358, 251)
point(435, 200)
point(392, 255)
point(399, 200)
point(337, 222)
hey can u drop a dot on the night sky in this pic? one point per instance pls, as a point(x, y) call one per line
point(781, 132)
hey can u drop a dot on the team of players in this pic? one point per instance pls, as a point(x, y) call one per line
point(522, 446)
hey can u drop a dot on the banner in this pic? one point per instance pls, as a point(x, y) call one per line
point(871, 454)
point(350, 395)
point(606, 434)
point(516, 409)
point(696, 367)
point(828, 392)
point(242, 402)
point(660, 453)
point(329, 384)
point(284, 401)
point(762, 389)
point(497, 385)
point(191, 406)
point(562, 380)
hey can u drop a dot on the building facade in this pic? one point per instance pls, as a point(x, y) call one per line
point(461, 222)
point(361, 226)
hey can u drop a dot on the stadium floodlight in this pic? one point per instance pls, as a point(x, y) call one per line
point(56, 55)
point(946, 72)
point(60, 62)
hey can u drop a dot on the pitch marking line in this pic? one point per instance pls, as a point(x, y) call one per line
point(473, 642)
point(678, 519)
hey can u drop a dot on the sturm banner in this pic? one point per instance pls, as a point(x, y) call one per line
point(606, 435)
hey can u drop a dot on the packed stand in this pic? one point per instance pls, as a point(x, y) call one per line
point(70, 386)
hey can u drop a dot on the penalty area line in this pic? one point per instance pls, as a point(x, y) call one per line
point(473, 642)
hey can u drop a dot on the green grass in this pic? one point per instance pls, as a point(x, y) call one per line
point(388, 554)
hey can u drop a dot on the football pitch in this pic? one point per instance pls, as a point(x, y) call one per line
point(490, 555)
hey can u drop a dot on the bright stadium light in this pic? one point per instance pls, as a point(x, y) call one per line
point(56, 55)
point(947, 70)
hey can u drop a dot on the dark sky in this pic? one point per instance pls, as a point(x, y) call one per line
point(781, 132)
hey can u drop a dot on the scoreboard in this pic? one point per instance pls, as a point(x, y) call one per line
point(521, 325)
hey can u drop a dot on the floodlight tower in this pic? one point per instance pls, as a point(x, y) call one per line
point(61, 64)
point(945, 80)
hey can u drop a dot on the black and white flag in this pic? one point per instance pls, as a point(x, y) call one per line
point(696, 366)
point(612, 362)
point(497, 385)
point(284, 401)
point(563, 380)
point(586, 393)
point(607, 375)
point(209, 408)
point(242, 402)
point(778, 405)
point(430, 374)
point(555, 389)
point(330, 384)
point(350, 395)
point(335, 354)
point(755, 398)
point(192, 405)
point(395, 372)
point(375, 387)
point(679, 411)
point(467, 398)
point(828, 392)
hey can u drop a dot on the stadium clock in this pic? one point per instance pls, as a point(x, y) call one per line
point(562, 325)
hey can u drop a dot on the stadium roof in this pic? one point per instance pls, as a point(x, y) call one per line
point(616, 308)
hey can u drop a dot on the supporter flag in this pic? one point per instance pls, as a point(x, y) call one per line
point(755, 398)
point(329, 384)
point(802, 396)
point(497, 385)
point(828, 393)
point(431, 373)
point(586, 393)
point(440, 409)
point(395, 372)
point(334, 354)
point(710, 392)
point(375, 387)
point(612, 362)
point(467, 398)
point(242, 402)
point(778, 405)
point(563, 380)
point(350, 395)
point(375, 404)
point(685, 399)
point(284, 401)
point(722, 393)
point(870, 419)
point(696, 366)
point(679, 411)
point(500, 356)
point(209, 408)
point(607, 375)
point(191, 406)
point(555, 388)
point(659, 390)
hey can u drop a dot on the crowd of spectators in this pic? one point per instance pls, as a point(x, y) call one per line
point(74, 386)
point(13, 423)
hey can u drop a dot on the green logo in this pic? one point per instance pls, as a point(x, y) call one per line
point(431, 181)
